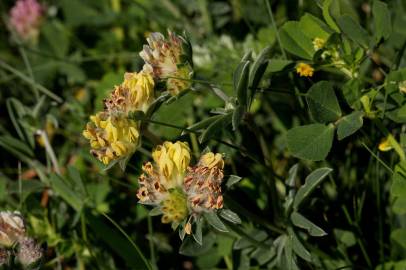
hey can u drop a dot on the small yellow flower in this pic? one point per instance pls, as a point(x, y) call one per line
point(304, 70)
point(134, 94)
point(172, 160)
point(211, 160)
point(141, 87)
point(385, 145)
point(318, 43)
point(112, 137)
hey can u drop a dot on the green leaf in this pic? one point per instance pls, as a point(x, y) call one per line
point(237, 117)
point(232, 180)
point(298, 247)
point(230, 216)
point(399, 236)
point(353, 30)
point(312, 142)
point(77, 12)
point(156, 211)
point(347, 238)
point(323, 103)
point(291, 180)
point(349, 124)
point(215, 221)
point(295, 42)
point(313, 27)
point(311, 182)
point(279, 65)
point(398, 188)
point(352, 93)
point(215, 127)
point(118, 243)
point(202, 124)
point(56, 36)
point(289, 260)
point(190, 247)
point(197, 234)
point(382, 21)
point(241, 77)
point(327, 16)
point(17, 145)
point(61, 187)
point(263, 255)
point(257, 70)
point(300, 221)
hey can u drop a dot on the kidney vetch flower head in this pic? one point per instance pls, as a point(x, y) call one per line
point(169, 60)
point(112, 137)
point(178, 190)
point(25, 19)
point(112, 134)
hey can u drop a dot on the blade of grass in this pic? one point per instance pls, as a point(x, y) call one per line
point(28, 80)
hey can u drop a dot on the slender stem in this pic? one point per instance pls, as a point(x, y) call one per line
point(377, 158)
point(50, 151)
point(29, 70)
point(28, 80)
point(118, 227)
point(151, 242)
point(268, 8)
point(20, 186)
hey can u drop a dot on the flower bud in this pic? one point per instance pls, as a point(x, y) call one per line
point(12, 228)
point(170, 60)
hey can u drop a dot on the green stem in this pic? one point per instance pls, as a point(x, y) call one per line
point(268, 8)
point(118, 227)
point(151, 242)
point(377, 158)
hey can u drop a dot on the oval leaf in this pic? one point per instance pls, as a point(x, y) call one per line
point(323, 103)
point(312, 142)
point(215, 221)
point(230, 216)
point(349, 124)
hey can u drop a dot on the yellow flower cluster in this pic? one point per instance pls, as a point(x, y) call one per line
point(111, 134)
point(178, 189)
point(304, 70)
point(165, 59)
